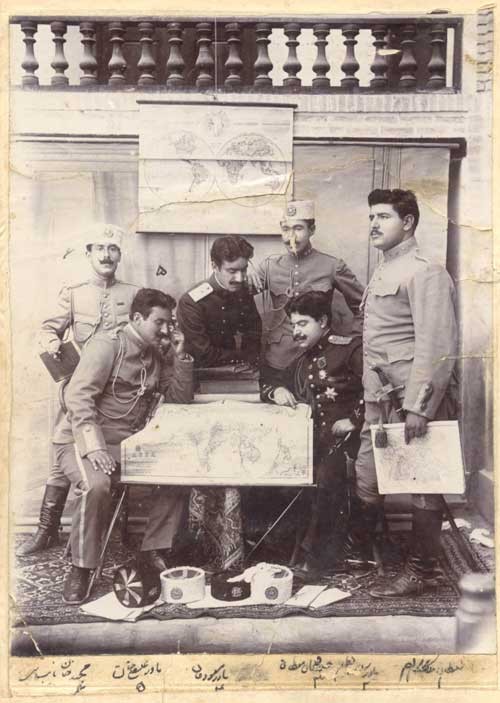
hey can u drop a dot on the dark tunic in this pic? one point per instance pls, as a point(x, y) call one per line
point(220, 327)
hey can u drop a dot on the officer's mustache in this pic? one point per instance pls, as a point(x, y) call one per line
point(299, 337)
point(106, 261)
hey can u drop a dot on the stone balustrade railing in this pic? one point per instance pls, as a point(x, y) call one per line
point(232, 54)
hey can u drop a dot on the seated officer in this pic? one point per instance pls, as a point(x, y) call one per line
point(327, 376)
point(108, 399)
point(218, 316)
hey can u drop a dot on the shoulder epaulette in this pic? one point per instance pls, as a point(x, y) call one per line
point(72, 286)
point(339, 339)
point(200, 291)
point(420, 257)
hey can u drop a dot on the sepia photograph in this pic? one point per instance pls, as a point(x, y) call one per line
point(251, 268)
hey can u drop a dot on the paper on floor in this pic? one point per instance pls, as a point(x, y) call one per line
point(480, 535)
point(459, 522)
point(305, 596)
point(332, 595)
point(110, 608)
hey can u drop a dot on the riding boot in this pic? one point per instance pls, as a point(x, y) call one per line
point(421, 569)
point(47, 533)
point(358, 545)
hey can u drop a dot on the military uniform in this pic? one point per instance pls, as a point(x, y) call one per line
point(85, 308)
point(108, 399)
point(212, 318)
point(410, 331)
point(285, 276)
point(88, 307)
point(328, 378)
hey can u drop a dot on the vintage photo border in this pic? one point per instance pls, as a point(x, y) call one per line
point(258, 677)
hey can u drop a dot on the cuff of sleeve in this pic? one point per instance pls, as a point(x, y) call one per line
point(185, 358)
point(89, 438)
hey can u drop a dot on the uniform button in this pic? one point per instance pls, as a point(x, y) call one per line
point(311, 385)
point(107, 325)
point(296, 283)
point(319, 404)
point(106, 314)
point(315, 359)
point(323, 424)
point(105, 295)
point(310, 376)
point(295, 293)
point(310, 366)
point(223, 308)
point(321, 414)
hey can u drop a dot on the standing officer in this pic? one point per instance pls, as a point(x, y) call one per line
point(328, 377)
point(410, 331)
point(222, 326)
point(102, 302)
point(108, 399)
point(218, 316)
point(302, 268)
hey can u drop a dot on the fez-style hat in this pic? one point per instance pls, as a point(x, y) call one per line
point(300, 209)
point(101, 233)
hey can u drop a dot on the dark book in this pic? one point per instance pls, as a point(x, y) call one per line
point(63, 366)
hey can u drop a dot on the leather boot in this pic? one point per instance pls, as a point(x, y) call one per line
point(76, 586)
point(47, 533)
point(421, 570)
point(152, 560)
point(358, 546)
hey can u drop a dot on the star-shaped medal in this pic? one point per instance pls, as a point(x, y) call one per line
point(331, 393)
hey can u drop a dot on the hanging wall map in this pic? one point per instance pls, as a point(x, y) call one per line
point(214, 169)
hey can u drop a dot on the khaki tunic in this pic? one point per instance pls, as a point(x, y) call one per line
point(87, 308)
point(410, 331)
point(104, 407)
point(284, 277)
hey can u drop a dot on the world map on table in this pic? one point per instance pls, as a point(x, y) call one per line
point(429, 464)
point(233, 156)
point(224, 443)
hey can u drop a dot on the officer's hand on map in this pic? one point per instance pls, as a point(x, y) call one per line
point(242, 366)
point(102, 460)
point(282, 396)
point(342, 427)
point(415, 426)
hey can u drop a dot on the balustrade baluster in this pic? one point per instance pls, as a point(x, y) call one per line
point(89, 63)
point(437, 63)
point(234, 64)
point(262, 63)
point(205, 61)
point(147, 63)
point(350, 64)
point(117, 64)
point(408, 65)
point(292, 64)
point(59, 63)
point(175, 62)
point(321, 65)
point(30, 64)
point(379, 65)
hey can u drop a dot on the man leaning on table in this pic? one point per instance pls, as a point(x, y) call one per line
point(108, 399)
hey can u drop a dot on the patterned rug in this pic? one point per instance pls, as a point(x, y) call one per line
point(39, 584)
